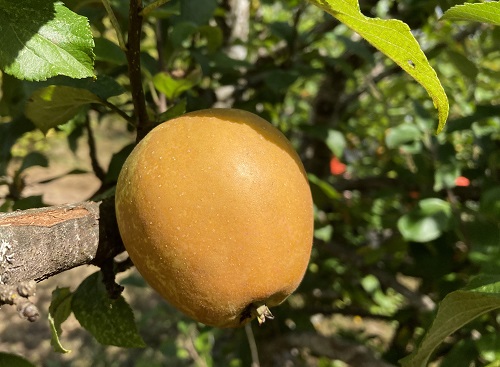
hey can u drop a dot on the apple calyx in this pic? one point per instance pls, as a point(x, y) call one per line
point(262, 313)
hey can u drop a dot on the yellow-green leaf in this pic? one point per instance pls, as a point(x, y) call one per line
point(394, 39)
point(481, 12)
point(458, 308)
point(56, 104)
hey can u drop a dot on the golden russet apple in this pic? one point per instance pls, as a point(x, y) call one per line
point(215, 211)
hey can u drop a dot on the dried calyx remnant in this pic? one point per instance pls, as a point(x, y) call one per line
point(19, 296)
point(261, 313)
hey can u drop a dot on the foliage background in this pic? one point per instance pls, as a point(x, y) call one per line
point(404, 217)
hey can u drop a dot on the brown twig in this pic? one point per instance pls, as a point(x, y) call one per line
point(162, 99)
point(98, 171)
point(134, 66)
point(39, 243)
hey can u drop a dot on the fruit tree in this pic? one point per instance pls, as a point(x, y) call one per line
point(174, 172)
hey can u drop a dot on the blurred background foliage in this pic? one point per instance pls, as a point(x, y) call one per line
point(403, 216)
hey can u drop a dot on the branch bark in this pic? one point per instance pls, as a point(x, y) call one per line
point(36, 244)
point(134, 67)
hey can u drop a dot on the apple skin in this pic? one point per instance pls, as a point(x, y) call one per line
point(215, 211)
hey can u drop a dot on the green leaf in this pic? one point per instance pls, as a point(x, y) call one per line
point(198, 12)
point(55, 105)
point(30, 202)
point(335, 140)
point(59, 311)
point(464, 350)
point(181, 32)
point(427, 222)
point(490, 202)
point(402, 134)
point(13, 96)
point(116, 163)
point(324, 233)
point(279, 81)
point(106, 50)
point(34, 159)
point(481, 113)
point(10, 132)
point(484, 12)
point(484, 237)
point(445, 176)
point(11, 360)
point(173, 88)
point(489, 347)
point(457, 309)
point(394, 39)
point(466, 67)
point(174, 111)
point(324, 186)
point(110, 321)
point(41, 39)
point(213, 36)
point(103, 86)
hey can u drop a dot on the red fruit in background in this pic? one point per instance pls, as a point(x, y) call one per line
point(337, 167)
point(462, 181)
point(414, 194)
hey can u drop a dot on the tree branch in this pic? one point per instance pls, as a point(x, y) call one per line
point(98, 171)
point(115, 24)
point(134, 68)
point(36, 244)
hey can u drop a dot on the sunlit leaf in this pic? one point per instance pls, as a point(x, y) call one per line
point(336, 142)
point(324, 186)
point(457, 309)
point(426, 222)
point(482, 12)
point(402, 134)
point(41, 39)
point(59, 311)
point(172, 87)
point(394, 39)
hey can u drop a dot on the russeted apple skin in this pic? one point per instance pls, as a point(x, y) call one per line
point(215, 211)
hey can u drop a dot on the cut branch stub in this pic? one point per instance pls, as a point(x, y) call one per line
point(36, 244)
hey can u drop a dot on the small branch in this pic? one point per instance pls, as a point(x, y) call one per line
point(253, 345)
point(108, 278)
point(191, 349)
point(162, 99)
point(293, 44)
point(115, 24)
point(36, 244)
point(134, 67)
point(98, 171)
point(148, 9)
point(18, 295)
point(124, 265)
point(117, 110)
